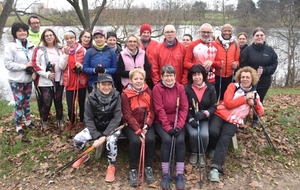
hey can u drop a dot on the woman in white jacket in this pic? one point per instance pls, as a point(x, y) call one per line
point(17, 61)
point(46, 59)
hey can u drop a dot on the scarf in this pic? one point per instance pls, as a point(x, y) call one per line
point(168, 86)
point(72, 50)
point(130, 86)
point(226, 43)
point(172, 44)
point(99, 47)
point(145, 43)
point(104, 98)
point(133, 53)
point(199, 86)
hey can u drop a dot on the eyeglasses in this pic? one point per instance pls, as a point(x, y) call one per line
point(205, 32)
point(48, 36)
point(168, 76)
point(132, 41)
point(34, 23)
point(88, 37)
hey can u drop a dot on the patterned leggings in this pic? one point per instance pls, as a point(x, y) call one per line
point(111, 143)
point(48, 95)
point(22, 94)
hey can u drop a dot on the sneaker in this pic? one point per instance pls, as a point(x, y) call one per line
point(211, 154)
point(110, 173)
point(149, 175)
point(254, 124)
point(179, 182)
point(193, 159)
point(202, 161)
point(214, 175)
point(165, 182)
point(70, 127)
point(81, 160)
point(31, 125)
point(133, 178)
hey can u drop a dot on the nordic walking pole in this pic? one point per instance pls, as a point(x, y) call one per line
point(62, 168)
point(264, 130)
point(172, 151)
point(142, 153)
point(220, 85)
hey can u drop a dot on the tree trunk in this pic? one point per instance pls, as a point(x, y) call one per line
point(7, 9)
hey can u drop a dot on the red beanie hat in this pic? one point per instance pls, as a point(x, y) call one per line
point(145, 27)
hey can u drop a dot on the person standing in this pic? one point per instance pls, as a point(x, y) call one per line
point(170, 51)
point(34, 32)
point(102, 116)
point(242, 40)
point(238, 100)
point(264, 60)
point(187, 39)
point(204, 95)
point(148, 45)
point(165, 99)
point(74, 79)
point(138, 113)
point(17, 60)
point(85, 39)
point(227, 59)
point(112, 41)
point(202, 51)
point(46, 59)
point(99, 59)
point(132, 57)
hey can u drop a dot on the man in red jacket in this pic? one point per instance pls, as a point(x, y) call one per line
point(227, 59)
point(170, 51)
point(202, 51)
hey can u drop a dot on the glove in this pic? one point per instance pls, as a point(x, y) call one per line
point(199, 116)
point(77, 70)
point(173, 132)
point(99, 69)
point(177, 132)
point(194, 123)
point(29, 70)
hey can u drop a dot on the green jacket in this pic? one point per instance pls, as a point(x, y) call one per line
point(34, 37)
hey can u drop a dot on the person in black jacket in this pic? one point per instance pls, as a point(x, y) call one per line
point(102, 115)
point(263, 59)
point(204, 94)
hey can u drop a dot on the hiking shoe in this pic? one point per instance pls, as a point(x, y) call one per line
point(165, 182)
point(214, 175)
point(179, 182)
point(70, 127)
point(21, 132)
point(202, 161)
point(31, 126)
point(193, 159)
point(149, 175)
point(44, 125)
point(211, 154)
point(60, 124)
point(110, 173)
point(254, 124)
point(133, 177)
point(81, 160)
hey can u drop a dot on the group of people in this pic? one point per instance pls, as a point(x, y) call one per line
point(204, 89)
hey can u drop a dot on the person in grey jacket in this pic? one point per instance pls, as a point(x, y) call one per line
point(17, 60)
point(102, 116)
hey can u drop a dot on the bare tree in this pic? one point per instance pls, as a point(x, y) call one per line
point(244, 11)
point(7, 9)
point(85, 15)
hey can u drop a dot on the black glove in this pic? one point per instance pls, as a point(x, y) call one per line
point(49, 67)
point(29, 70)
point(194, 123)
point(177, 132)
point(99, 69)
point(199, 116)
point(173, 132)
point(77, 70)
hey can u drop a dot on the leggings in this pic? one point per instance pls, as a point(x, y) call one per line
point(48, 95)
point(22, 93)
point(135, 147)
point(193, 132)
point(70, 97)
point(166, 144)
point(111, 143)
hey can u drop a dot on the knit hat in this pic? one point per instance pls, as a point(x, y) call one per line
point(105, 78)
point(99, 31)
point(145, 27)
